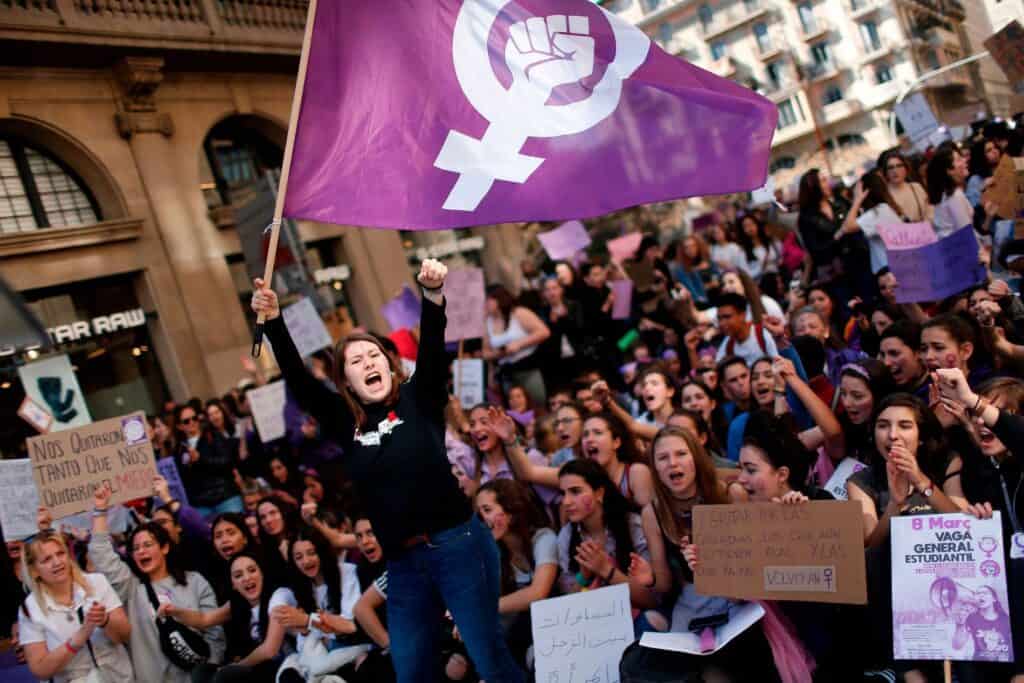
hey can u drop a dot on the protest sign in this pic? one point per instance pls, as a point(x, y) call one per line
point(906, 235)
point(168, 469)
point(764, 194)
point(402, 312)
point(624, 248)
point(812, 552)
point(917, 118)
point(68, 466)
point(35, 415)
point(1003, 192)
point(836, 484)
point(464, 291)
point(741, 617)
point(267, 406)
point(949, 597)
point(563, 242)
point(582, 636)
point(306, 328)
point(937, 270)
point(51, 383)
point(641, 273)
point(469, 376)
point(19, 499)
point(1007, 48)
point(623, 291)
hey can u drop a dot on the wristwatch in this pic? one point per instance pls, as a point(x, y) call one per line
point(928, 490)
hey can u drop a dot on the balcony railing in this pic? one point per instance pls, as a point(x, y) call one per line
point(815, 29)
point(820, 71)
point(732, 18)
point(723, 66)
point(274, 26)
point(876, 50)
point(662, 10)
point(771, 46)
point(860, 9)
point(837, 111)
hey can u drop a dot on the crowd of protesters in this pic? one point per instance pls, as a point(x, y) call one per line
point(755, 357)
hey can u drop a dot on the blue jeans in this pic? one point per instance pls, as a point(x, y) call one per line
point(459, 569)
point(232, 504)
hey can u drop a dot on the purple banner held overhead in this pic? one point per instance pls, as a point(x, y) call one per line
point(938, 270)
point(402, 312)
point(440, 114)
point(565, 241)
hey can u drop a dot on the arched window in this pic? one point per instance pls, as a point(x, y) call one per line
point(239, 156)
point(38, 191)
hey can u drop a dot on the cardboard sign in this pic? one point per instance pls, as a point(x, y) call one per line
point(69, 466)
point(52, 384)
point(935, 271)
point(1004, 190)
point(641, 273)
point(35, 415)
point(563, 242)
point(464, 291)
point(306, 328)
point(623, 291)
point(906, 235)
point(168, 469)
point(581, 637)
point(767, 551)
point(624, 248)
point(403, 312)
point(19, 499)
point(948, 580)
point(917, 118)
point(1007, 48)
point(267, 406)
point(469, 381)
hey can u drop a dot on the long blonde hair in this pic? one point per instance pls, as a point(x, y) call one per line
point(31, 574)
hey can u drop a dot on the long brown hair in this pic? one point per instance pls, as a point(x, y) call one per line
point(710, 490)
point(525, 518)
point(355, 406)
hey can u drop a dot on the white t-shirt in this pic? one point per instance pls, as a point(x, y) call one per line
point(349, 590)
point(869, 222)
point(281, 596)
point(750, 349)
point(952, 213)
point(728, 255)
point(55, 625)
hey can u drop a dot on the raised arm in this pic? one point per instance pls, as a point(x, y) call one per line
point(101, 549)
point(311, 394)
point(505, 429)
point(431, 378)
point(819, 410)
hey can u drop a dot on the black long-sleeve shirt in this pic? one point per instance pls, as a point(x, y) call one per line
point(405, 481)
point(981, 479)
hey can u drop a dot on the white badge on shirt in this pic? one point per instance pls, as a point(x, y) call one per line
point(1017, 546)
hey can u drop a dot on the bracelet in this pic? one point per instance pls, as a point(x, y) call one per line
point(608, 579)
point(71, 648)
point(96, 512)
point(430, 289)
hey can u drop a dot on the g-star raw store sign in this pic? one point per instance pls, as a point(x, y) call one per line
point(103, 324)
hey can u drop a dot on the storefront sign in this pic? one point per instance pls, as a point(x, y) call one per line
point(449, 248)
point(69, 466)
point(51, 383)
point(103, 324)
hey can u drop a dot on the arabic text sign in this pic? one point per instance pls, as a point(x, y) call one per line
point(564, 241)
point(19, 499)
point(464, 292)
point(811, 552)
point(938, 270)
point(267, 406)
point(949, 598)
point(582, 636)
point(69, 466)
point(306, 327)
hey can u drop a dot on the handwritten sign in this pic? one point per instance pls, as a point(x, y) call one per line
point(19, 499)
point(306, 327)
point(563, 242)
point(764, 194)
point(168, 469)
point(1007, 48)
point(623, 291)
point(69, 466)
point(623, 248)
point(812, 552)
point(836, 484)
point(907, 235)
point(52, 384)
point(469, 381)
point(1003, 192)
point(402, 312)
point(581, 637)
point(917, 118)
point(936, 271)
point(267, 406)
point(949, 598)
point(464, 291)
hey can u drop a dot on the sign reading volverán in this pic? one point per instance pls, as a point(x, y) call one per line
point(69, 466)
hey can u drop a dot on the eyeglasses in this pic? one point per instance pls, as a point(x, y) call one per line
point(565, 421)
point(895, 167)
point(188, 420)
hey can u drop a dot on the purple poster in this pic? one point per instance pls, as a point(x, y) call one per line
point(402, 312)
point(949, 598)
point(935, 271)
point(563, 242)
point(623, 291)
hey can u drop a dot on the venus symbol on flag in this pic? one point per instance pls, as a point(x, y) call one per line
point(542, 53)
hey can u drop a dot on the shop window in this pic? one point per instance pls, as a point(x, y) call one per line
point(38, 191)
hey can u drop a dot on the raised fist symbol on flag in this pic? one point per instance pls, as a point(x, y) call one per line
point(547, 53)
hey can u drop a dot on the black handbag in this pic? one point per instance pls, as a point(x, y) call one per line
point(182, 646)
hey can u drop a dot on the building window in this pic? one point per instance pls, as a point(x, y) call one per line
point(807, 20)
point(37, 191)
point(704, 14)
point(751, 5)
point(651, 5)
point(883, 73)
point(238, 157)
point(665, 33)
point(851, 140)
point(764, 41)
point(820, 55)
point(932, 59)
point(774, 73)
point(787, 115)
point(717, 50)
point(832, 94)
point(782, 163)
point(869, 34)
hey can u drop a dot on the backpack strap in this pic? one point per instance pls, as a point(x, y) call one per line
point(759, 336)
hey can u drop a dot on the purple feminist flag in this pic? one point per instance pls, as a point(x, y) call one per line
point(450, 113)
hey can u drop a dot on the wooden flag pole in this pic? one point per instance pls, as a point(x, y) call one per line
point(947, 671)
point(458, 370)
point(286, 165)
